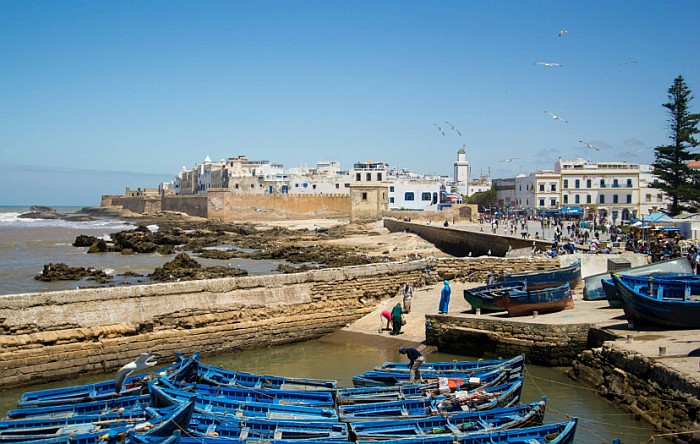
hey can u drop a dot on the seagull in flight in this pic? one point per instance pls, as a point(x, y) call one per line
point(549, 64)
point(555, 117)
point(629, 62)
point(453, 127)
point(439, 129)
point(510, 160)
point(562, 32)
point(589, 145)
point(143, 361)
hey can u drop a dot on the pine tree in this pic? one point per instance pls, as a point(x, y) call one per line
point(675, 178)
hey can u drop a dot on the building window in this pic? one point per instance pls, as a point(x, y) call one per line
point(542, 187)
point(541, 202)
point(391, 189)
point(615, 199)
point(566, 183)
point(314, 186)
point(358, 177)
point(379, 177)
point(369, 177)
point(337, 186)
point(552, 202)
point(364, 196)
point(588, 198)
point(577, 183)
point(305, 185)
point(566, 198)
point(553, 187)
point(577, 199)
point(425, 196)
point(602, 198)
point(588, 183)
point(347, 185)
point(659, 197)
point(391, 200)
point(629, 198)
point(629, 183)
point(296, 185)
point(647, 198)
point(408, 196)
point(616, 183)
point(602, 183)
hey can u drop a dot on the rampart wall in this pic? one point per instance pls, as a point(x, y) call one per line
point(224, 205)
point(194, 205)
point(461, 243)
point(56, 335)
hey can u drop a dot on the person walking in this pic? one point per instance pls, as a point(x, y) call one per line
point(407, 297)
point(416, 359)
point(444, 298)
point(396, 318)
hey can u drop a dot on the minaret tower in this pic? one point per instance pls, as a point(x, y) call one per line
point(462, 170)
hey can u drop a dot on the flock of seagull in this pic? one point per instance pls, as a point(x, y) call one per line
point(590, 145)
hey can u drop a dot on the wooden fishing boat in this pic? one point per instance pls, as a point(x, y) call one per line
point(107, 406)
point(182, 369)
point(218, 376)
point(593, 287)
point(484, 297)
point(265, 429)
point(649, 306)
point(464, 422)
point(547, 300)
point(669, 285)
point(457, 366)
point(177, 418)
point(309, 398)
point(481, 399)
point(163, 397)
point(557, 433)
point(555, 277)
point(481, 378)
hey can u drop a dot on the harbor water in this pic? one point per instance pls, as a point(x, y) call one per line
point(342, 355)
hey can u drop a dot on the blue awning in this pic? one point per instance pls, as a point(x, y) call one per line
point(572, 210)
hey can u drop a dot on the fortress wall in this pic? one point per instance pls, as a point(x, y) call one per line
point(194, 205)
point(56, 335)
point(223, 204)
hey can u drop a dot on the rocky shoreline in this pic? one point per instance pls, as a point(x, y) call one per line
point(189, 238)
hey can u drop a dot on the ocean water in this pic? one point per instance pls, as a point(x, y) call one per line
point(26, 245)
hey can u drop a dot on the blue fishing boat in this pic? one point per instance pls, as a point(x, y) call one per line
point(107, 406)
point(163, 397)
point(464, 422)
point(593, 287)
point(481, 399)
point(557, 433)
point(177, 418)
point(309, 398)
point(666, 284)
point(484, 297)
point(555, 277)
point(666, 308)
point(546, 300)
point(265, 429)
point(218, 376)
point(458, 366)
point(473, 379)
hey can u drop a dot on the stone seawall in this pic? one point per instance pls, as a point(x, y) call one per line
point(462, 243)
point(544, 344)
point(56, 335)
point(661, 396)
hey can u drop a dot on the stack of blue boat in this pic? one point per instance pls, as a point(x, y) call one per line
point(189, 402)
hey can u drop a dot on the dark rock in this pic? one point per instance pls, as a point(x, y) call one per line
point(220, 254)
point(99, 246)
point(40, 212)
point(84, 241)
point(184, 268)
point(62, 272)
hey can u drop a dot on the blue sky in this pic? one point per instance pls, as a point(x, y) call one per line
point(97, 96)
